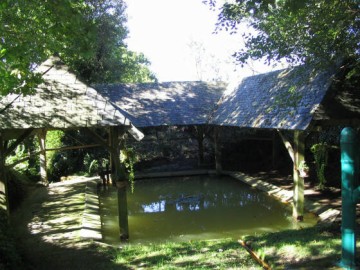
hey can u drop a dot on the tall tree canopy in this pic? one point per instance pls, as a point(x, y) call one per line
point(87, 34)
point(308, 31)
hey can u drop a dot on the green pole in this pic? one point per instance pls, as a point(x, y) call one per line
point(349, 175)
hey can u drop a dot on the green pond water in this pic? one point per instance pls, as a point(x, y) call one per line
point(194, 208)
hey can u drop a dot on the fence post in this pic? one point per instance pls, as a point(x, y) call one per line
point(349, 181)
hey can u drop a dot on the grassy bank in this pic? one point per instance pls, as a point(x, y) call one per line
point(311, 248)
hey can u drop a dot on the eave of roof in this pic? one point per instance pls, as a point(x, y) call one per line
point(61, 101)
point(283, 99)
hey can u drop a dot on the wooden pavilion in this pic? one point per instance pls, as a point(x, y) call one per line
point(63, 102)
point(296, 100)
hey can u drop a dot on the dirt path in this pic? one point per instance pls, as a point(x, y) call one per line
point(48, 225)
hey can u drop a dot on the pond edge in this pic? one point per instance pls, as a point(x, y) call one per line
point(91, 223)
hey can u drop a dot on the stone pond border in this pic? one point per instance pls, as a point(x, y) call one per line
point(325, 213)
point(91, 223)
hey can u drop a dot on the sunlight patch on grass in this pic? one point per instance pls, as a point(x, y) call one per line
point(220, 254)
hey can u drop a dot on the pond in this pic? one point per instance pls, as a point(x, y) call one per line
point(195, 208)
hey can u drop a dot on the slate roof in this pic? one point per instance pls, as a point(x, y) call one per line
point(283, 99)
point(168, 103)
point(62, 101)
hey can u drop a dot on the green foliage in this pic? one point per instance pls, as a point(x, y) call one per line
point(87, 34)
point(320, 151)
point(303, 166)
point(94, 165)
point(23, 159)
point(53, 140)
point(111, 60)
point(19, 154)
point(128, 157)
point(30, 32)
point(71, 162)
point(298, 31)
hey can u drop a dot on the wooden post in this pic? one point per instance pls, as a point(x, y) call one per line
point(217, 149)
point(4, 200)
point(298, 197)
point(120, 179)
point(43, 171)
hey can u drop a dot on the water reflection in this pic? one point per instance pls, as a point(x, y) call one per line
point(195, 208)
point(197, 202)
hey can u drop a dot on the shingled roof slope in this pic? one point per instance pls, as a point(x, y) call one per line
point(62, 101)
point(283, 99)
point(168, 103)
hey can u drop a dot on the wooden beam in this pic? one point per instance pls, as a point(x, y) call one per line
point(4, 200)
point(43, 171)
point(298, 189)
point(119, 177)
point(75, 147)
point(52, 149)
point(19, 140)
point(97, 138)
point(287, 145)
point(137, 134)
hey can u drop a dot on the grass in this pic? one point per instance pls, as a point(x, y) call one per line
point(217, 254)
point(318, 247)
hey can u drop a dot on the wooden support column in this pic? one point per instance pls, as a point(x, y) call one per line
point(218, 166)
point(119, 177)
point(43, 171)
point(298, 197)
point(296, 153)
point(4, 200)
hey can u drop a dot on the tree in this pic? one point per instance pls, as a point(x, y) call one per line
point(85, 33)
point(31, 31)
point(208, 65)
point(110, 60)
point(309, 31)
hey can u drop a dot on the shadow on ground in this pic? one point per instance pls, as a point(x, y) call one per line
point(47, 227)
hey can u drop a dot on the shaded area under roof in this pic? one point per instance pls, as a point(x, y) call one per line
point(283, 99)
point(61, 101)
point(168, 103)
